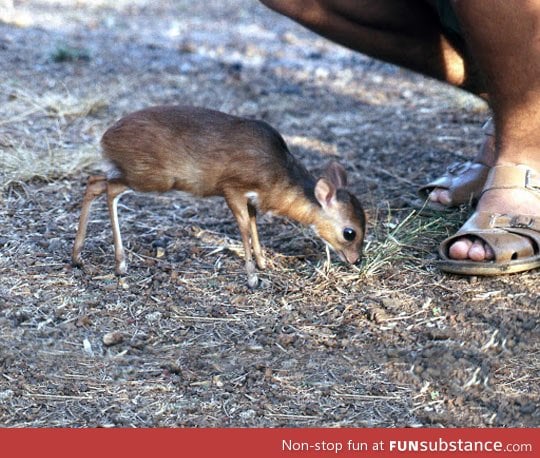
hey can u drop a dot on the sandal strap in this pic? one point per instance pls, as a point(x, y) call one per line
point(486, 221)
point(516, 222)
point(512, 177)
point(459, 168)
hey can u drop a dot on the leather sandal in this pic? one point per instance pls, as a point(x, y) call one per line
point(513, 238)
point(464, 181)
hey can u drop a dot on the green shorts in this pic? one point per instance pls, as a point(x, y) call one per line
point(448, 17)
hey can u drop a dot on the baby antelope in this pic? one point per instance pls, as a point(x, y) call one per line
point(209, 153)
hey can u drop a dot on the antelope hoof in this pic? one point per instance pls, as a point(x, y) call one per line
point(253, 281)
point(261, 263)
point(76, 261)
point(121, 268)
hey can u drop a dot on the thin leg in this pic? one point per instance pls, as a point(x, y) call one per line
point(96, 186)
point(240, 212)
point(257, 250)
point(114, 191)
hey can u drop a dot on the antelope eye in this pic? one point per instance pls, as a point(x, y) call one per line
point(349, 234)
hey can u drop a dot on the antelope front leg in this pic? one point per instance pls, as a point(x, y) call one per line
point(257, 250)
point(240, 212)
point(253, 279)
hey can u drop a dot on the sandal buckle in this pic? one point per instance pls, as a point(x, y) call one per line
point(522, 221)
point(532, 181)
point(458, 168)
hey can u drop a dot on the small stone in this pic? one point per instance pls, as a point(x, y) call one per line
point(218, 381)
point(112, 338)
point(88, 347)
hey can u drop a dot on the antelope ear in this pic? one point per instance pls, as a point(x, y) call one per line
point(336, 173)
point(325, 192)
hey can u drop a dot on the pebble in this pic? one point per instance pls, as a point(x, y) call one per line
point(88, 347)
point(113, 338)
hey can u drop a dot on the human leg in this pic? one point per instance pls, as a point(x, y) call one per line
point(504, 39)
point(407, 33)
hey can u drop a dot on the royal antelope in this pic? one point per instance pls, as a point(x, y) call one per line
point(209, 153)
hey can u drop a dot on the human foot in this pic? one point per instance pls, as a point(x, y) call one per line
point(505, 228)
point(462, 182)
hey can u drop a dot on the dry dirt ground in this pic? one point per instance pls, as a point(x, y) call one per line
point(181, 340)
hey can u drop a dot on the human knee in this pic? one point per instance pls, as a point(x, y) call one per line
point(303, 11)
point(287, 7)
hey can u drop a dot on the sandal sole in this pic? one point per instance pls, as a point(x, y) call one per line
point(488, 268)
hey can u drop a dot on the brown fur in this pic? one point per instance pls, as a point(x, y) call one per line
point(209, 153)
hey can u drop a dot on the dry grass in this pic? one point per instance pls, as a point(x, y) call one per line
point(36, 134)
point(21, 164)
point(400, 239)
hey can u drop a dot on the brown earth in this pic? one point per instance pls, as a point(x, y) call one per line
point(181, 340)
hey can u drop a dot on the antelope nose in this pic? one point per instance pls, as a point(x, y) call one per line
point(352, 257)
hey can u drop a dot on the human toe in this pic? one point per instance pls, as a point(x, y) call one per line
point(460, 249)
point(477, 251)
point(441, 196)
